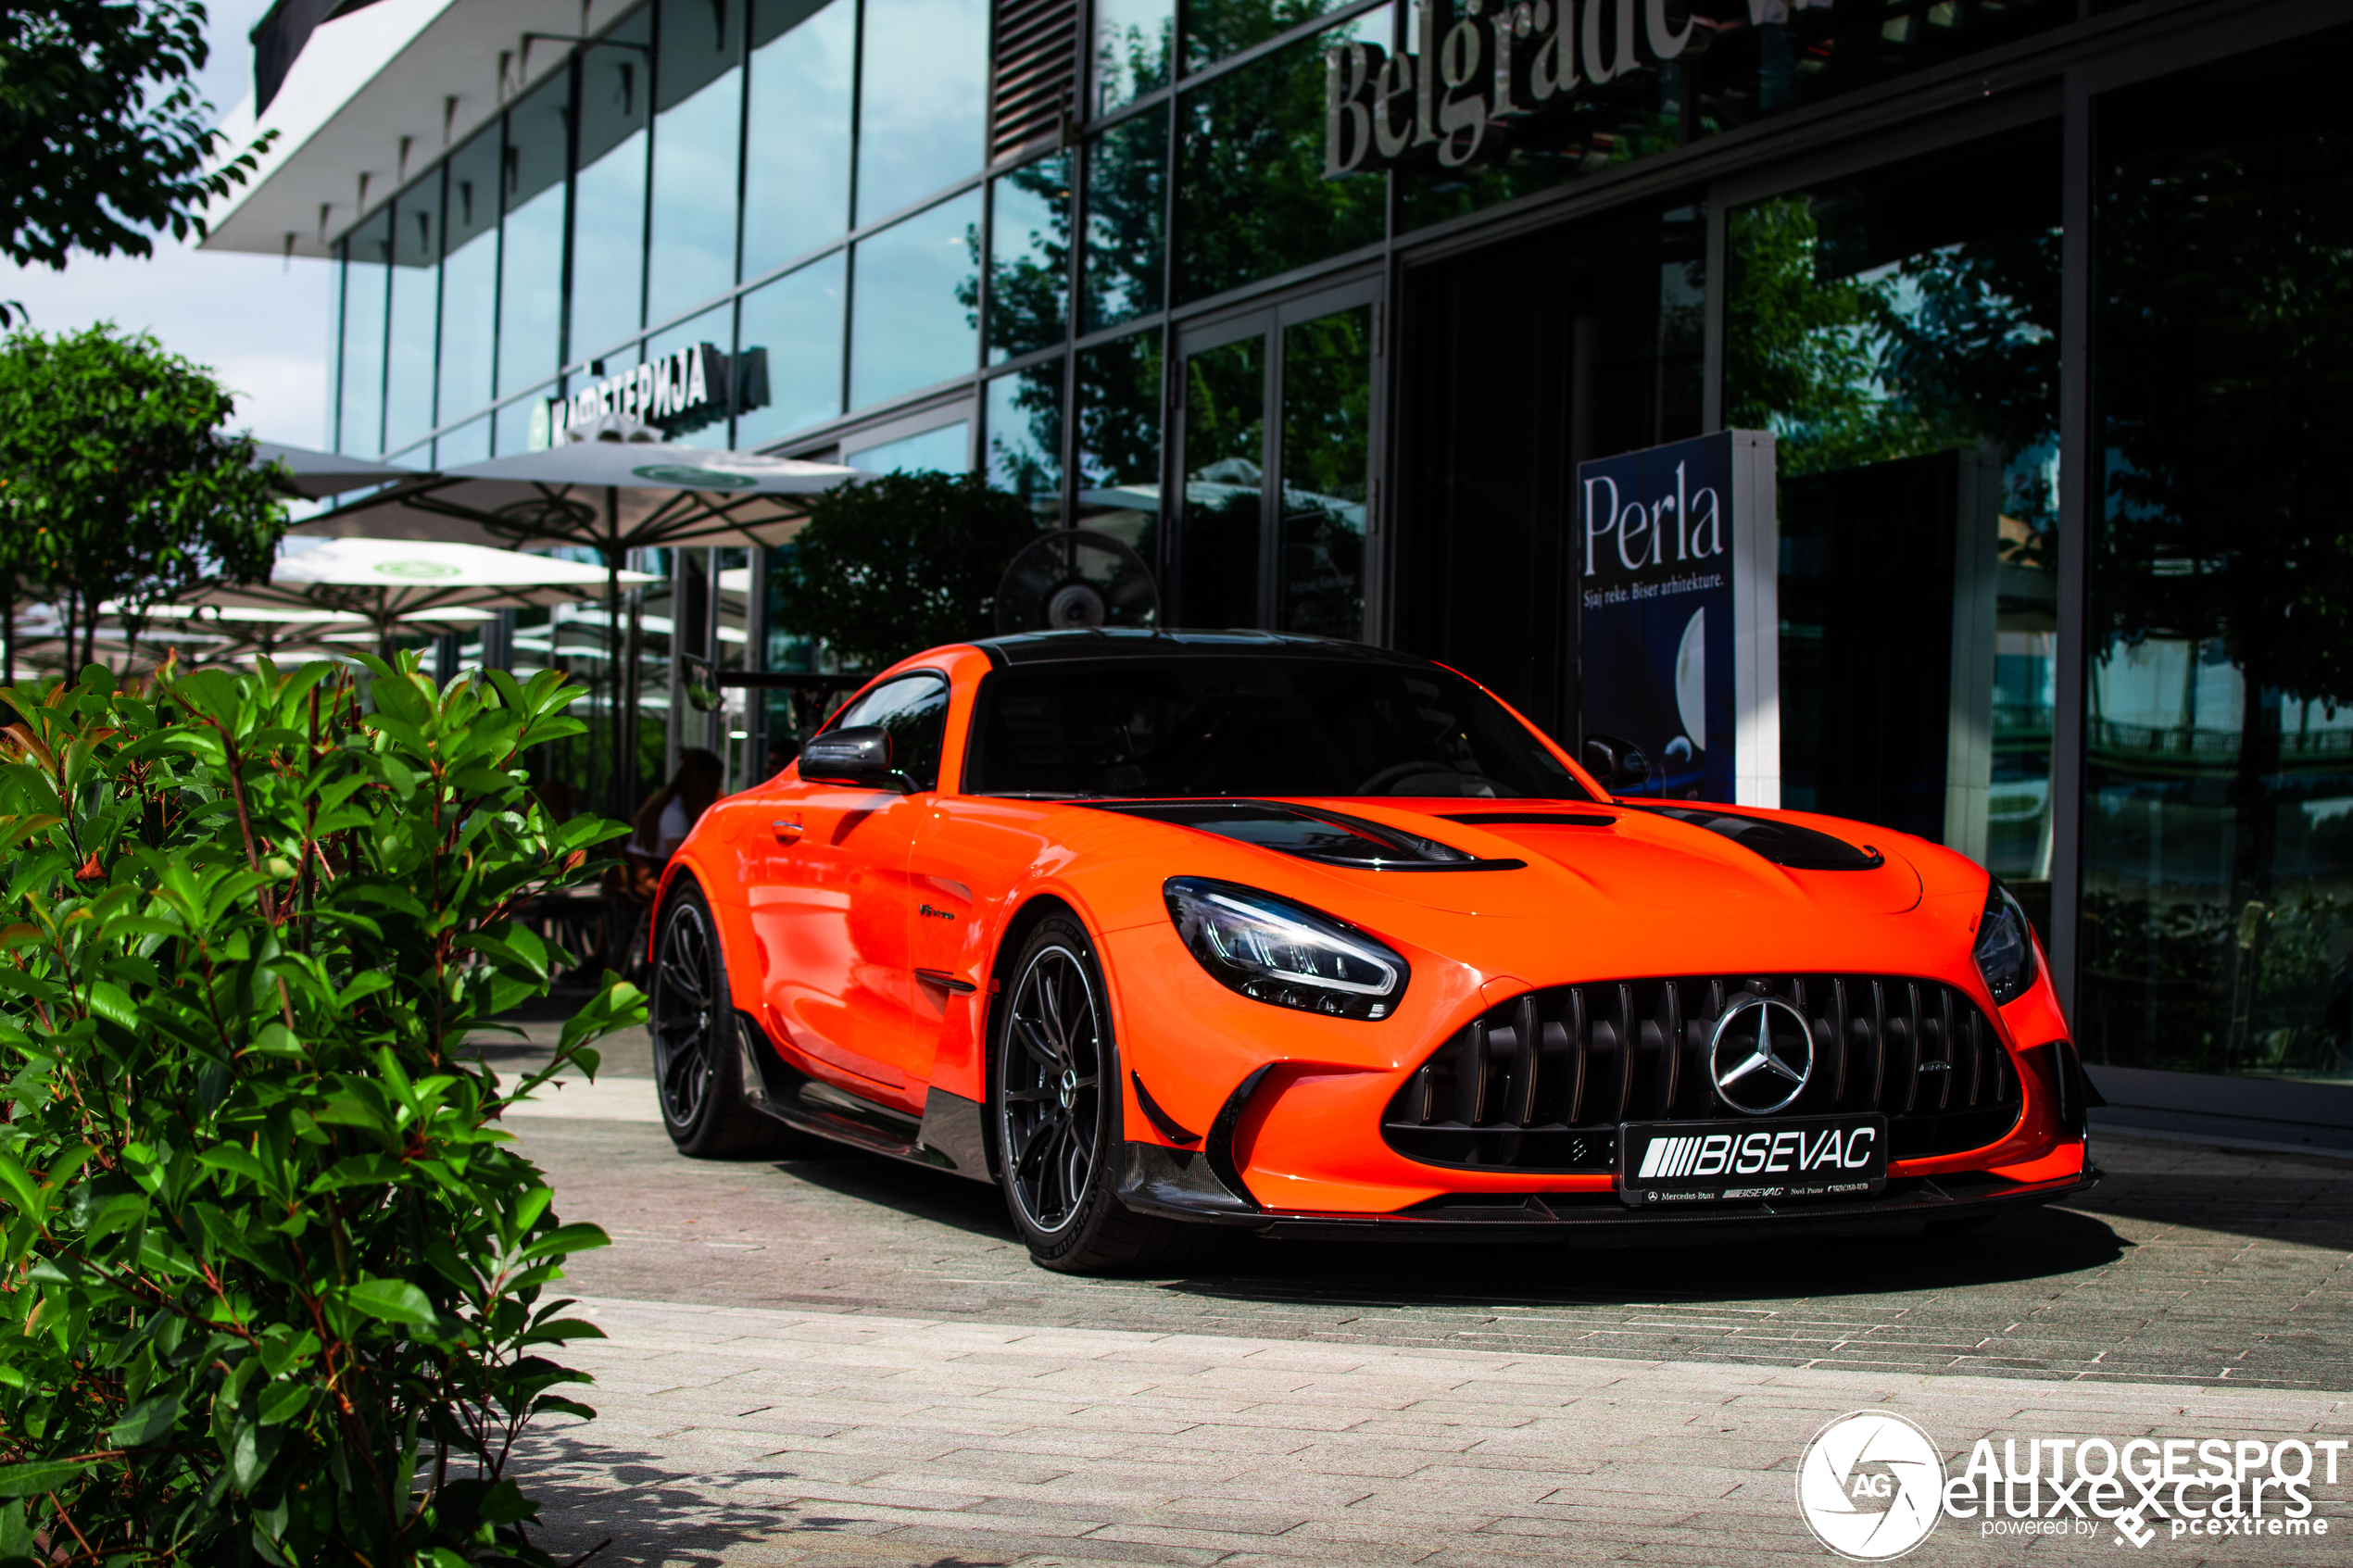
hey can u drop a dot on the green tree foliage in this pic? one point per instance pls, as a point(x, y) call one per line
point(103, 139)
point(117, 481)
point(275, 1279)
point(1846, 365)
point(900, 563)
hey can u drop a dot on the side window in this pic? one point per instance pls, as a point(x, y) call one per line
point(914, 710)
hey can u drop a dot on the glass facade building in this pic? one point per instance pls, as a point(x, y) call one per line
point(2047, 303)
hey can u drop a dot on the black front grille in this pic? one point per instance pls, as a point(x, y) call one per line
point(1542, 1083)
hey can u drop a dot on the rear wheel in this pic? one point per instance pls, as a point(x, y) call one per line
point(699, 1065)
point(1055, 1105)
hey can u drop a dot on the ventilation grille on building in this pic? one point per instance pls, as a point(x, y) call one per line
point(1035, 79)
point(1542, 1083)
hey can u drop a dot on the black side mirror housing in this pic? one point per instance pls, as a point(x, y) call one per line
point(859, 756)
point(1619, 764)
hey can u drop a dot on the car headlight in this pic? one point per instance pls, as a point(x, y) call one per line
point(1273, 950)
point(2005, 950)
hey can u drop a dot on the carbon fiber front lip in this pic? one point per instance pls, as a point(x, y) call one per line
point(1180, 1187)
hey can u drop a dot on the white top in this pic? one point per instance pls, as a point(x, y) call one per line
point(673, 831)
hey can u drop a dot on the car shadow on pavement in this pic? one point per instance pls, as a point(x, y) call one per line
point(920, 1193)
point(626, 1508)
point(2028, 1247)
point(2035, 1244)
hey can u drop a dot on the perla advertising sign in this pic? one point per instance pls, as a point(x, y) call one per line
point(1679, 622)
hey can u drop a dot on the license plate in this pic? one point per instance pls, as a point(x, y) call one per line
point(1753, 1161)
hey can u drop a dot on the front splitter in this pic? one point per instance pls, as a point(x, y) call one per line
point(1182, 1189)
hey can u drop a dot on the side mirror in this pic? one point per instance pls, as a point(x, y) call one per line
point(858, 755)
point(1619, 764)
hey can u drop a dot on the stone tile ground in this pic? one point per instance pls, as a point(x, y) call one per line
point(846, 1360)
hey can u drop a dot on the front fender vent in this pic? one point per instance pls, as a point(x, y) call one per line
point(1542, 1083)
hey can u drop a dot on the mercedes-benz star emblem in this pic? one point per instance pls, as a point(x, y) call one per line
point(1762, 1054)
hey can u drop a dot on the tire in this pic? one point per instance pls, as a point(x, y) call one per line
point(697, 1065)
point(1055, 1117)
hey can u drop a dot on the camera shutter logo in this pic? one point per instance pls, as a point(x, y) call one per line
point(1870, 1485)
point(1762, 1054)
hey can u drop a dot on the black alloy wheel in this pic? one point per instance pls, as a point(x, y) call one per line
point(1053, 1089)
point(699, 1065)
point(1056, 1105)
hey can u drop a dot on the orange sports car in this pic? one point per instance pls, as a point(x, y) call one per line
point(1163, 932)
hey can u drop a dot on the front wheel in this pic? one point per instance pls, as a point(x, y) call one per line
point(699, 1065)
point(1055, 1104)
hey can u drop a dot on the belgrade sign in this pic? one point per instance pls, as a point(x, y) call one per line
point(1500, 60)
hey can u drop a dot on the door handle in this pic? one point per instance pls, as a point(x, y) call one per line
point(787, 829)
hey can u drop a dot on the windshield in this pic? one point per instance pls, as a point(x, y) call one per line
point(1244, 726)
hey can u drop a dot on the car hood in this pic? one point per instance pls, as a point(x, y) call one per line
point(1546, 891)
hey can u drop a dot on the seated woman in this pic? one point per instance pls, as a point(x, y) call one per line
point(664, 821)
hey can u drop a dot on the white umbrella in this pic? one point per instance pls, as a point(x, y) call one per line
point(318, 474)
point(401, 582)
point(609, 494)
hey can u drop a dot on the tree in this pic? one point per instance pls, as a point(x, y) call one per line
point(102, 135)
point(902, 563)
point(117, 481)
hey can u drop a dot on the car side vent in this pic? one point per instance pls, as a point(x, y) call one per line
point(1541, 1083)
point(1033, 77)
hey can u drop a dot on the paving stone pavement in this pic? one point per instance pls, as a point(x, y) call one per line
point(749, 1436)
point(845, 1360)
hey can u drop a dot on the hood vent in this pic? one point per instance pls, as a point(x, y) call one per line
point(1784, 844)
point(1326, 837)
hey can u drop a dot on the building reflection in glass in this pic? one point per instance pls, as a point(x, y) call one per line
point(1897, 332)
point(2218, 834)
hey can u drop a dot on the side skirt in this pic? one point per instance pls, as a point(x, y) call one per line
point(949, 1137)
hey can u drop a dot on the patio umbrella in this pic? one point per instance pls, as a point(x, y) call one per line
point(319, 474)
point(390, 583)
point(609, 494)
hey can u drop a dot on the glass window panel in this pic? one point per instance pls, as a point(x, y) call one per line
point(416, 310)
point(1126, 207)
point(469, 443)
point(1025, 437)
point(913, 316)
point(1897, 332)
point(1029, 259)
point(947, 449)
point(698, 132)
point(1327, 466)
point(1225, 482)
point(608, 200)
point(1253, 199)
point(1215, 28)
point(522, 425)
point(797, 186)
point(1119, 443)
point(469, 276)
point(531, 250)
point(1132, 49)
point(707, 425)
point(360, 390)
point(795, 322)
point(2218, 813)
point(922, 107)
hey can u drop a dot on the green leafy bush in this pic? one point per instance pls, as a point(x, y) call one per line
point(273, 1286)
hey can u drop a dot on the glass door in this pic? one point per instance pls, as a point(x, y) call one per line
point(1274, 464)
